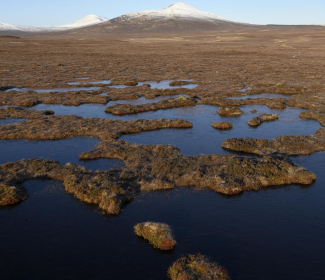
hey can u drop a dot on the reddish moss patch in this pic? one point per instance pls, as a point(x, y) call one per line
point(195, 267)
point(159, 235)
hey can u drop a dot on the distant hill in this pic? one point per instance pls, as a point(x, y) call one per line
point(178, 17)
point(85, 21)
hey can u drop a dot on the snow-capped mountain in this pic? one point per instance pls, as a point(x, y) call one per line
point(85, 21)
point(174, 11)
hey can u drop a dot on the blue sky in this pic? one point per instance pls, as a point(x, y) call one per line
point(40, 12)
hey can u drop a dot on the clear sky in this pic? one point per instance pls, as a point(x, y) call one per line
point(58, 12)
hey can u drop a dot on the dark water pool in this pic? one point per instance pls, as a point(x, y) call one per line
point(202, 138)
point(64, 151)
point(276, 233)
point(270, 234)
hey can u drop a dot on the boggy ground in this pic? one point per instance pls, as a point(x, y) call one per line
point(60, 127)
point(150, 168)
point(32, 98)
point(19, 113)
point(124, 109)
point(164, 167)
point(288, 145)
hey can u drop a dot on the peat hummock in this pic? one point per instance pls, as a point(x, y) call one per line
point(262, 118)
point(222, 125)
point(289, 144)
point(159, 235)
point(197, 266)
point(230, 111)
point(50, 128)
point(124, 109)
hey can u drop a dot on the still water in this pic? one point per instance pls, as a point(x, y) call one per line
point(276, 233)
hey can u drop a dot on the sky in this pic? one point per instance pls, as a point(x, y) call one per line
point(59, 12)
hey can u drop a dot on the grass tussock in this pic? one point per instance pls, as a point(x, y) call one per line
point(196, 267)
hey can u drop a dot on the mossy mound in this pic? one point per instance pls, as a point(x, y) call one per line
point(125, 109)
point(12, 194)
point(230, 111)
point(262, 118)
point(222, 125)
point(159, 235)
point(196, 267)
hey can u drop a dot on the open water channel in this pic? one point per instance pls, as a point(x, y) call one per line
point(275, 233)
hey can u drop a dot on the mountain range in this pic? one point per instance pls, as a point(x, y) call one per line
point(176, 17)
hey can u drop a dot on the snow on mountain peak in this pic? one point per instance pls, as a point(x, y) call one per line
point(181, 6)
point(176, 10)
point(85, 21)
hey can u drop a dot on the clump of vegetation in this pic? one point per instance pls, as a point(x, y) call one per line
point(32, 98)
point(276, 105)
point(262, 118)
point(131, 83)
point(124, 109)
point(159, 235)
point(60, 127)
point(222, 125)
point(289, 144)
point(196, 267)
point(230, 111)
point(19, 113)
point(179, 83)
point(11, 194)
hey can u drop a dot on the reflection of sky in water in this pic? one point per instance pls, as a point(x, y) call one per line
point(64, 151)
point(10, 121)
point(154, 85)
point(60, 233)
point(202, 138)
point(262, 95)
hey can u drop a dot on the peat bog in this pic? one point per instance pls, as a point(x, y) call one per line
point(246, 197)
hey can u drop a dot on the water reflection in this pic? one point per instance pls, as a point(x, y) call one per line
point(64, 151)
point(250, 234)
point(262, 95)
